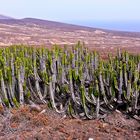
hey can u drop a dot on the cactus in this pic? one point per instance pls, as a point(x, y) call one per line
point(74, 81)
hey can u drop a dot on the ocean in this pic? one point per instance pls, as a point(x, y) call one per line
point(119, 26)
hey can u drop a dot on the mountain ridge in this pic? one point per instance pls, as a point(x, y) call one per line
point(5, 17)
point(55, 24)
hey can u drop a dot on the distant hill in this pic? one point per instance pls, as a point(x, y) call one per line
point(5, 17)
point(59, 25)
point(44, 24)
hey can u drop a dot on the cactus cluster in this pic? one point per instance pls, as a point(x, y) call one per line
point(74, 81)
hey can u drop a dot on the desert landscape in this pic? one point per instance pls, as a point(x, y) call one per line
point(38, 32)
point(38, 121)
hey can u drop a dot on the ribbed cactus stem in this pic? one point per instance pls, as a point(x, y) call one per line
point(13, 73)
point(95, 61)
point(120, 86)
point(84, 102)
point(3, 88)
point(71, 85)
point(97, 107)
point(125, 74)
point(21, 92)
point(129, 90)
point(102, 89)
point(135, 96)
point(36, 77)
point(119, 53)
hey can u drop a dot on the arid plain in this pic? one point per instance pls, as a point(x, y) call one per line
point(41, 32)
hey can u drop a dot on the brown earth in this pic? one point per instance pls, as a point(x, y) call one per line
point(26, 124)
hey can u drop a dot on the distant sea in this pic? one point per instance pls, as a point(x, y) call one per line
point(119, 26)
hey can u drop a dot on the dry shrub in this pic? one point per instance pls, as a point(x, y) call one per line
point(39, 120)
point(23, 114)
point(1, 109)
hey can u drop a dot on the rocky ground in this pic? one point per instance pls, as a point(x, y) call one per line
point(29, 124)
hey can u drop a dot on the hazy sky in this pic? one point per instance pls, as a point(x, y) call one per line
point(73, 10)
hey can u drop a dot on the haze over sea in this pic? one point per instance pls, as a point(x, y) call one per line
point(131, 26)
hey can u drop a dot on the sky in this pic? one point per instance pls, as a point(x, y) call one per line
point(73, 11)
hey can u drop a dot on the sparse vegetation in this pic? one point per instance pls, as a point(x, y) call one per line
point(77, 81)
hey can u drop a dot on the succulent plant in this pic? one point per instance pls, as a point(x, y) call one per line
point(74, 81)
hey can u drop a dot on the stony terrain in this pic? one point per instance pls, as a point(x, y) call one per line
point(27, 124)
